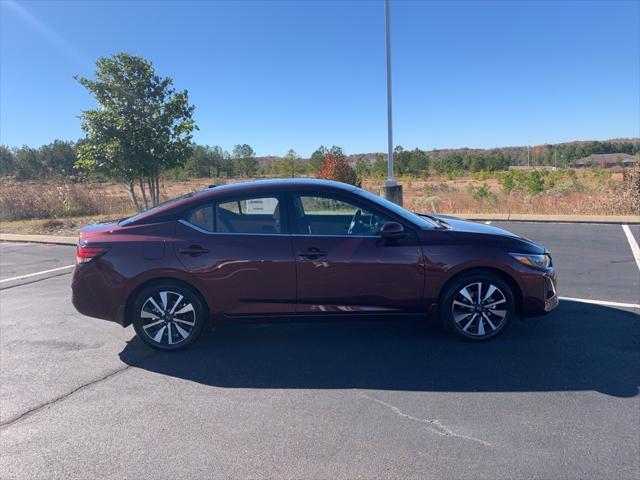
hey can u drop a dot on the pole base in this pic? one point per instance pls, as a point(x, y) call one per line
point(392, 193)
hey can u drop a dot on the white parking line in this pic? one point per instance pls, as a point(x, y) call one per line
point(601, 302)
point(34, 274)
point(633, 244)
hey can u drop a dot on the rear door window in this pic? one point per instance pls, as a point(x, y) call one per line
point(259, 215)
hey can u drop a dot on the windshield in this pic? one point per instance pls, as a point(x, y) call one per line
point(397, 209)
point(151, 210)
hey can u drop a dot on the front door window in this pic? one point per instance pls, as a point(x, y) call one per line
point(318, 215)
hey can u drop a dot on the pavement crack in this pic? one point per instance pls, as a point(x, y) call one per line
point(432, 425)
point(55, 400)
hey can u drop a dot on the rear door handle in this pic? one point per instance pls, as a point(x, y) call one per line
point(312, 253)
point(193, 250)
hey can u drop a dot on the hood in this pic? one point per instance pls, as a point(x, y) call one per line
point(497, 236)
point(460, 225)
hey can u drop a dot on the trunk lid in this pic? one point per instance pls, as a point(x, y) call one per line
point(96, 229)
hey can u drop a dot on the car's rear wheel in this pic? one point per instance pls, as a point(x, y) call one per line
point(168, 316)
point(477, 306)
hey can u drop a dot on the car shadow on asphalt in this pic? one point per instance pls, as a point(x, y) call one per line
point(577, 347)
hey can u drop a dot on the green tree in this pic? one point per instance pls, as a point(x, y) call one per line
point(419, 163)
point(227, 164)
point(58, 158)
point(290, 165)
point(317, 158)
point(27, 163)
point(7, 166)
point(379, 167)
point(244, 158)
point(217, 156)
point(508, 182)
point(363, 167)
point(142, 125)
point(451, 164)
point(535, 183)
point(204, 161)
point(401, 158)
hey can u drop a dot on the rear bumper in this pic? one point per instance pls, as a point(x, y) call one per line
point(92, 296)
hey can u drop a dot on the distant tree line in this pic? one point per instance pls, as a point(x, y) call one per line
point(59, 159)
point(55, 160)
point(563, 154)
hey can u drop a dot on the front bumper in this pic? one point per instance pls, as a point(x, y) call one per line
point(551, 294)
point(540, 294)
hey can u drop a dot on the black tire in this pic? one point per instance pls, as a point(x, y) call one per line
point(164, 332)
point(469, 317)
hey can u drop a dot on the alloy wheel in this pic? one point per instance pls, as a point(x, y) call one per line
point(167, 318)
point(479, 309)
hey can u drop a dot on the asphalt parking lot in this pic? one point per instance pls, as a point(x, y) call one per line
point(554, 397)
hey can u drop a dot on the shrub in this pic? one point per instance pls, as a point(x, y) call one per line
point(481, 176)
point(535, 183)
point(507, 181)
point(482, 193)
point(630, 188)
point(336, 167)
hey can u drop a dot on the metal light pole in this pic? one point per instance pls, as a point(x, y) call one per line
point(391, 190)
point(390, 180)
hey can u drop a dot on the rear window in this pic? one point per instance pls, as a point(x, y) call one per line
point(202, 217)
point(153, 210)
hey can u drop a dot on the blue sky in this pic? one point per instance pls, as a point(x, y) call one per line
point(281, 75)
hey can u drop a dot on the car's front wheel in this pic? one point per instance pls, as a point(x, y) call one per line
point(477, 306)
point(168, 316)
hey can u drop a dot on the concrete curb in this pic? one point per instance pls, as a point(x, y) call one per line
point(523, 217)
point(499, 217)
point(52, 239)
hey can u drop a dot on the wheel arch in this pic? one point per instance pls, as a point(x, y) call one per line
point(508, 279)
point(126, 321)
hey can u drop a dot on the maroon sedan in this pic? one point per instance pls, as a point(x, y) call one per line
point(303, 249)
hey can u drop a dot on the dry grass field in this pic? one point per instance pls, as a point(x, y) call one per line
point(63, 207)
point(591, 193)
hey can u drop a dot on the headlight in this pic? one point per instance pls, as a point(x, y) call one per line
point(535, 261)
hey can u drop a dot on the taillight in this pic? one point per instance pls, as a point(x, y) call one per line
point(85, 254)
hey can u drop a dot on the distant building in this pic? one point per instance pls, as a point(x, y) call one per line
point(606, 160)
point(548, 168)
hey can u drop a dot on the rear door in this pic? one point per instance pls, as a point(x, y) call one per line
point(344, 266)
point(240, 248)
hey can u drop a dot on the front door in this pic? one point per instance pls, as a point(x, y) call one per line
point(241, 252)
point(344, 266)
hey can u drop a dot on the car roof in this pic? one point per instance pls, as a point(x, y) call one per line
point(243, 188)
point(277, 184)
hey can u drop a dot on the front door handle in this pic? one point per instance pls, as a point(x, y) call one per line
point(312, 253)
point(193, 250)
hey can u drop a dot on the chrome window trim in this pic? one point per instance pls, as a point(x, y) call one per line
point(202, 230)
point(335, 236)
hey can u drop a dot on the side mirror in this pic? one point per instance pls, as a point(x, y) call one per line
point(391, 230)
